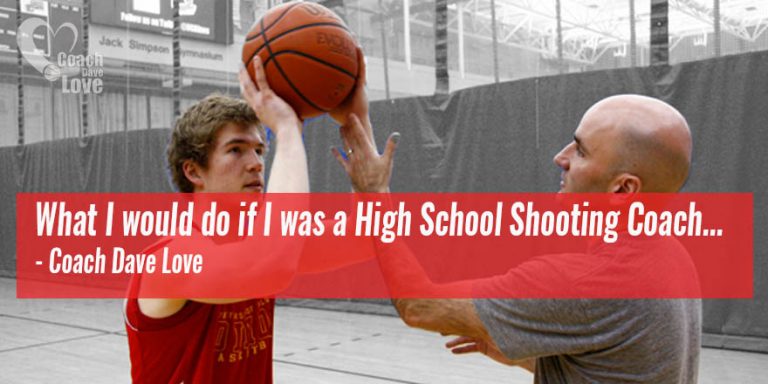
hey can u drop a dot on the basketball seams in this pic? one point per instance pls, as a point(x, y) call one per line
point(282, 73)
point(315, 59)
point(284, 33)
point(325, 51)
point(295, 90)
point(247, 39)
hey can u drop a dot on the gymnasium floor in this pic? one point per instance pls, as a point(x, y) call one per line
point(83, 341)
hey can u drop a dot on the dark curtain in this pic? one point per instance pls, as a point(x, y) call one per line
point(499, 137)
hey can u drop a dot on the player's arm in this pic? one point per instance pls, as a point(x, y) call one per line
point(327, 252)
point(369, 173)
point(289, 172)
point(447, 316)
point(270, 264)
point(236, 271)
point(231, 273)
point(465, 344)
point(406, 280)
point(357, 101)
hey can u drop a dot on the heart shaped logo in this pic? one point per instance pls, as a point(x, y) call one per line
point(26, 44)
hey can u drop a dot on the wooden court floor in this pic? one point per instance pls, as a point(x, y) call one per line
point(83, 341)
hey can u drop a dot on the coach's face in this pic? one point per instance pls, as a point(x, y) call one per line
point(589, 163)
point(236, 162)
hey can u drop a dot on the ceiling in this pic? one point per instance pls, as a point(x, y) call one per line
point(590, 28)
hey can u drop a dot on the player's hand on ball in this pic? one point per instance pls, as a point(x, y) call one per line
point(368, 171)
point(272, 111)
point(357, 101)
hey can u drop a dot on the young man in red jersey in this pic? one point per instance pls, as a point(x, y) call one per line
point(218, 145)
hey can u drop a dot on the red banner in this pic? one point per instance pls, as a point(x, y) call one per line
point(395, 245)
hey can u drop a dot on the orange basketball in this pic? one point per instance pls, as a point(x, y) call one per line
point(309, 56)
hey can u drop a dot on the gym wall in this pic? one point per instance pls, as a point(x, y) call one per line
point(493, 138)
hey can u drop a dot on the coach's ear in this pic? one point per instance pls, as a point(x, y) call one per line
point(627, 183)
point(192, 171)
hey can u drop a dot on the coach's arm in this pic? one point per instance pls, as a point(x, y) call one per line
point(370, 172)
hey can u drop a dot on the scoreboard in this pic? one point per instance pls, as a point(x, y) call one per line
point(209, 20)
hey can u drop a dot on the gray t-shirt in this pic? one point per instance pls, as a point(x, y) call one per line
point(599, 341)
point(588, 340)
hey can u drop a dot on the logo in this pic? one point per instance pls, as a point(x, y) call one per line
point(78, 73)
point(186, 7)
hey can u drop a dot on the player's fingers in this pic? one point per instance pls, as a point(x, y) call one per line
point(356, 135)
point(368, 130)
point(261, 78)
point(389, 149)
point(361, 67)
point(470, 348)
point(458, 341)
point(247, 89)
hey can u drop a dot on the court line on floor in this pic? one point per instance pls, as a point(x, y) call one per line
point(55, 323)
point(346, 372)
point(350, 309)
point(47, 343)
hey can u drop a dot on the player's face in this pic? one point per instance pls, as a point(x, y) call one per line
point(588, 163)
point(236, 162)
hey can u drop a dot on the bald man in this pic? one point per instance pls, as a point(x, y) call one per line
point(624, 144)
point(627, 143)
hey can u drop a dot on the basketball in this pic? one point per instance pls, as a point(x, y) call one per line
point(309, 56)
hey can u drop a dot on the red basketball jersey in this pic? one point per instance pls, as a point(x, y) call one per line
point(202, 343)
